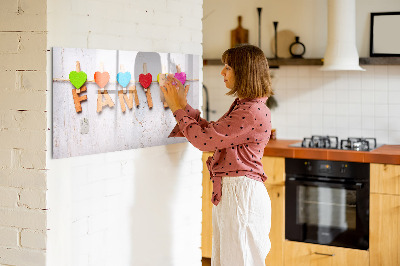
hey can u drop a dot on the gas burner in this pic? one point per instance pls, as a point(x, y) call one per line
point(332, 142)
point(327, 142)
point(358, 144)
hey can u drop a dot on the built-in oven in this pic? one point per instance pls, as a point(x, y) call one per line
point(327, 202)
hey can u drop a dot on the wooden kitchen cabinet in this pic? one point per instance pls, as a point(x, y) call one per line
point(385, 178)
point(384, 236)
point(277, 233)
point(274, 168)
point(306, 254)
point(206, 225)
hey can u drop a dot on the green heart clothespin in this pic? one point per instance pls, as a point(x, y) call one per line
point(78, 77)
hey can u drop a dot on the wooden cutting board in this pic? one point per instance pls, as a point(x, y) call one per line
point(239, 35)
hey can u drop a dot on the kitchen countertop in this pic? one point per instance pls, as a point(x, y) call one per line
point(389, 154)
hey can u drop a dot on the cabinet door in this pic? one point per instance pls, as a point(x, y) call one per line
point(206, 232)
point(385, 178)
point(274, 168)
point(277, 233)
point(384, 236)
point(305, 254)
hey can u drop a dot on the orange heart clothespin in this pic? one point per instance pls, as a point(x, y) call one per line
point(101, 78)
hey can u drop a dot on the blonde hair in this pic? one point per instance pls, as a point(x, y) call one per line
point(250, 66)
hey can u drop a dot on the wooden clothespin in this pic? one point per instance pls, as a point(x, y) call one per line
point(78, 69)
point(122, 70)
point(101, 78)
point(145, 80)
point(78, 79)
point(181, 76)
point(161, 78)
point(102, 71)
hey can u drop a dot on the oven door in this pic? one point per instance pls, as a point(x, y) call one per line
point(327, 213)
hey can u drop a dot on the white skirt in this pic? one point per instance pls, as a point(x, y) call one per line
point(241, 223)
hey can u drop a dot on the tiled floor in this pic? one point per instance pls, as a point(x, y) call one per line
point(206, 261)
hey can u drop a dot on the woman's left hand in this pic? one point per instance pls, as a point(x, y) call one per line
point(171, 95)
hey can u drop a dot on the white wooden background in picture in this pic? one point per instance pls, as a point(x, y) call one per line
point(89, 131)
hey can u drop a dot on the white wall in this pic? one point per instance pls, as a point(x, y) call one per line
point(134, 207)
point(343, 103)
point(305, 18)
point(22, 132)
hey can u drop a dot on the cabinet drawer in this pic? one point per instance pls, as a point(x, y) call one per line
point(305, 254)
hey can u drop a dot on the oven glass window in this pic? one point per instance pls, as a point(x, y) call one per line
point(327, 207)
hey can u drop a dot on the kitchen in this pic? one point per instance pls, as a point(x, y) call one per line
point(311, 102)
point(99, 206)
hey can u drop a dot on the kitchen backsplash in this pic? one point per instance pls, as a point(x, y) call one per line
point(314, 102)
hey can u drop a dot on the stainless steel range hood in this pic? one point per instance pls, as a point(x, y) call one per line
point(341, 51)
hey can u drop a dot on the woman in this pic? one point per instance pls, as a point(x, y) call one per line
point(242, 209)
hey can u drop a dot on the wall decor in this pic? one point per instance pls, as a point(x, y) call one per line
point(239, 35)
point(284, 39)
point(259, 9)
point(297, 49)
point(276, 38)
point(384, 37)
point(107, 100)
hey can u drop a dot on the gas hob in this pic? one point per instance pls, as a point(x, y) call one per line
point(332, 142)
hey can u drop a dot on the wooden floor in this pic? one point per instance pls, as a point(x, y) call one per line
point(206, 261)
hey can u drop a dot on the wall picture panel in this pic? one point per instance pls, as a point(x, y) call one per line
point(110, 100)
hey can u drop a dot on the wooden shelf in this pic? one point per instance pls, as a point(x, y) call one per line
point(274, 63)
point(380, 61)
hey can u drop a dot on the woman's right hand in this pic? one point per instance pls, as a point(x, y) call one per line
point(182, 91)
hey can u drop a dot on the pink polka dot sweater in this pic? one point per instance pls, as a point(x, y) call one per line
point(238, 139)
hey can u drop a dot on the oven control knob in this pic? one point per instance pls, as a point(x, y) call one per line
point(343, 168)
point(308, 166)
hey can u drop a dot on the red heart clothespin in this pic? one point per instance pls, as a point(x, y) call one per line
point(145, 80)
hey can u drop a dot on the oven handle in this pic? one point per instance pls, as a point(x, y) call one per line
point(357, 185)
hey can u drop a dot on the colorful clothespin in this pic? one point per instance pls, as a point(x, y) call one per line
point(161, 78)
point(145, 80)
point(77, 77)
point(123, 78)
point(101, 78)
point(181, 76)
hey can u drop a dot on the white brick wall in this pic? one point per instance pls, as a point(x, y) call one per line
point(134, 207)
point(23, 132)
point(34, 239)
